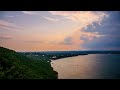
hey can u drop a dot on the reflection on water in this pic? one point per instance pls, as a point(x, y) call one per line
point(94, 66)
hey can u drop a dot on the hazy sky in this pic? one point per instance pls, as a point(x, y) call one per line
point(60, 30)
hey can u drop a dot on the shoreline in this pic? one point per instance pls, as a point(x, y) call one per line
point(51, 63)
point(66, 57)
point(52, 60)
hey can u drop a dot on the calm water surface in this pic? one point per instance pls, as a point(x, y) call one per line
point(92, 66)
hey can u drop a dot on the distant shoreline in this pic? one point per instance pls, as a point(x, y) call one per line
point(58, 55)
point(67, 57)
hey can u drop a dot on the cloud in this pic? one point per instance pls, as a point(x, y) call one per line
point(90, 35)
point(30, 12)
point(110, 31)
point(67, 41)
point(34, 42)
point(8, 25)
point(84, 18)
point(5, 37)
point(9, 16)
point(51, 19)
point(80, 37)
point(38, 14)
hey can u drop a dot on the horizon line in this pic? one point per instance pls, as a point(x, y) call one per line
point(67, 51)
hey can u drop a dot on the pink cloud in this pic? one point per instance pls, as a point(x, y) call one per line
point(51, 19)
point(84, 18)
point(8, 25)
point(5, 37)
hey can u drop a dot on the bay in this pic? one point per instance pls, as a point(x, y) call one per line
point(91, 66)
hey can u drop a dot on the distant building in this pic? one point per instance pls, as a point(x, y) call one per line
point(54, 57)
point(36, 55)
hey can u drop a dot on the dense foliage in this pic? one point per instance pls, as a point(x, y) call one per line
point(17, 66)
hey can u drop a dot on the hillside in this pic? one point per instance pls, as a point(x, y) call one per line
point(17, 66)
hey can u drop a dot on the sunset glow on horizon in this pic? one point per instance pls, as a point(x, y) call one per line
point(60, 30)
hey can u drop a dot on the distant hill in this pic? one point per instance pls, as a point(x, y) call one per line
point(17, 66)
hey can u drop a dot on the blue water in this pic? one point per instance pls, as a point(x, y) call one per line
point(92, 66)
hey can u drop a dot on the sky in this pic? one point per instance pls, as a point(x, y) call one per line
point(60, 30)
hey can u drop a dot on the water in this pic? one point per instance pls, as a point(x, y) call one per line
point(92, 66)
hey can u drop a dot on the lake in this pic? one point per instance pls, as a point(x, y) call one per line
point(92, 66)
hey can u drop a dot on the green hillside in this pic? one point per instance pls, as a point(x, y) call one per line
point(17, 66)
